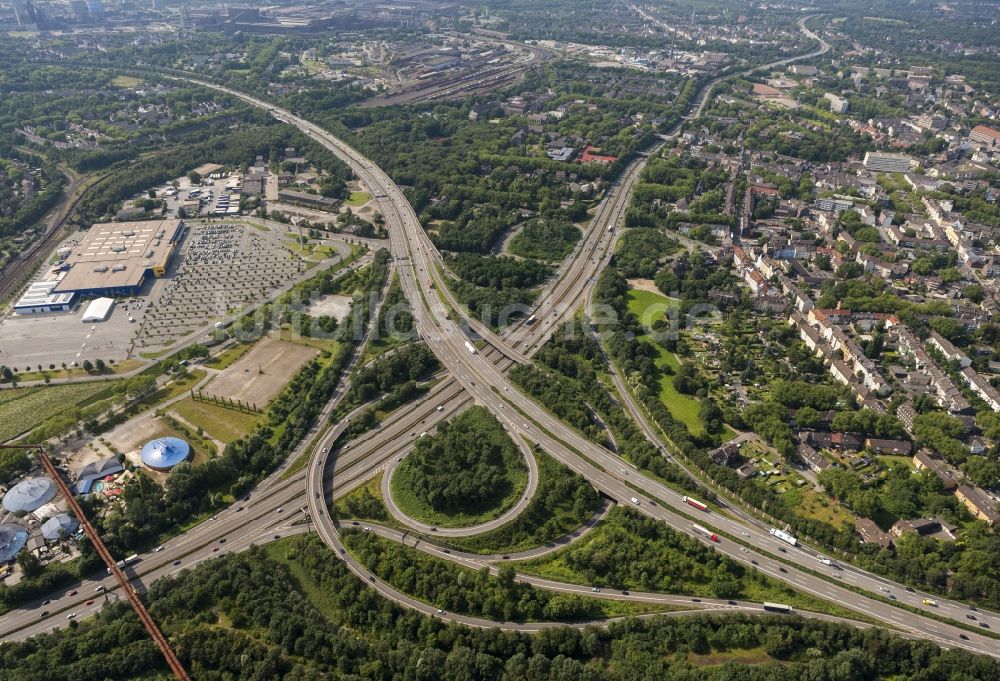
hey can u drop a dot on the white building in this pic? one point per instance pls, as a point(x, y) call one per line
point(39, 298)
point(838, 105)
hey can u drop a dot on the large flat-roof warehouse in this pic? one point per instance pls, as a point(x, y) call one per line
point(116, 258)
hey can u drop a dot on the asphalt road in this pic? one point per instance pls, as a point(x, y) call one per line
point(491, 388)
point(479, 377)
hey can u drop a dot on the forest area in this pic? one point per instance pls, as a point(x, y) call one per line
point(290, 611)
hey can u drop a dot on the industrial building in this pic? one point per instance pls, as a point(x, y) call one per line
point(888, 163)
point(40, 298)
point(164, 453)
point(30, 494)
point(117, 258)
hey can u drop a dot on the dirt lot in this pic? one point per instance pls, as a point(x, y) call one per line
point(335, 306)
point(261, 373)
point(644, 285)
point(133, 434)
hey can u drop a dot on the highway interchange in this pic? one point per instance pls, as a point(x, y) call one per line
point(479, 377)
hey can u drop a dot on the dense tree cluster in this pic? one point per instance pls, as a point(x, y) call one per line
point(273, 631)
point(639, 252)
point(465, 465)
point(563, 501)
point(630, 551)
point(458, 589)
point(496, 288)
point(392, 371)
point(545, 239)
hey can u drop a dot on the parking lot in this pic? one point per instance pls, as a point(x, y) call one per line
point(204, 199)
point(221, 268)
point(51, 340)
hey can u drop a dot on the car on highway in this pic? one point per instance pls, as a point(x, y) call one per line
point(215, 550)
point(595, 590)
point(781, 568)
point(882, 588)
point(177, 562)
point(90, 602)
point(963, 637)
point(222, 541)
point(44, 613)
point(970, 617)
point(930, 602)
point(71, 616)
point(158, 549)
point(440, 611)
point(280, 510)
point(984, 625)
point(46, 601)
point(73, 592)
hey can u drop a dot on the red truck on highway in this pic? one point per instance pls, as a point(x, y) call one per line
point(694, 502)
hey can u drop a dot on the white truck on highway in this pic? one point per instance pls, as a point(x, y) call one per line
point(470, 347)
point(783, 536)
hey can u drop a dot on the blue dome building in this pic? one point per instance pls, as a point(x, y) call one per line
point(12, 539)
point(164, 453)
point(30, 494)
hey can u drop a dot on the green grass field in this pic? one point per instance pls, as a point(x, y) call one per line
point(682, 407)
point(225, 425)
point(228, 356)
point(650, 307)
point(358, 199)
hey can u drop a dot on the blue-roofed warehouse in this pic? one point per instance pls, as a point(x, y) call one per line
point(164, 453)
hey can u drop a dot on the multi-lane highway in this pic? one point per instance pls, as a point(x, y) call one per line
point(490, 387)
point(476, 375)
